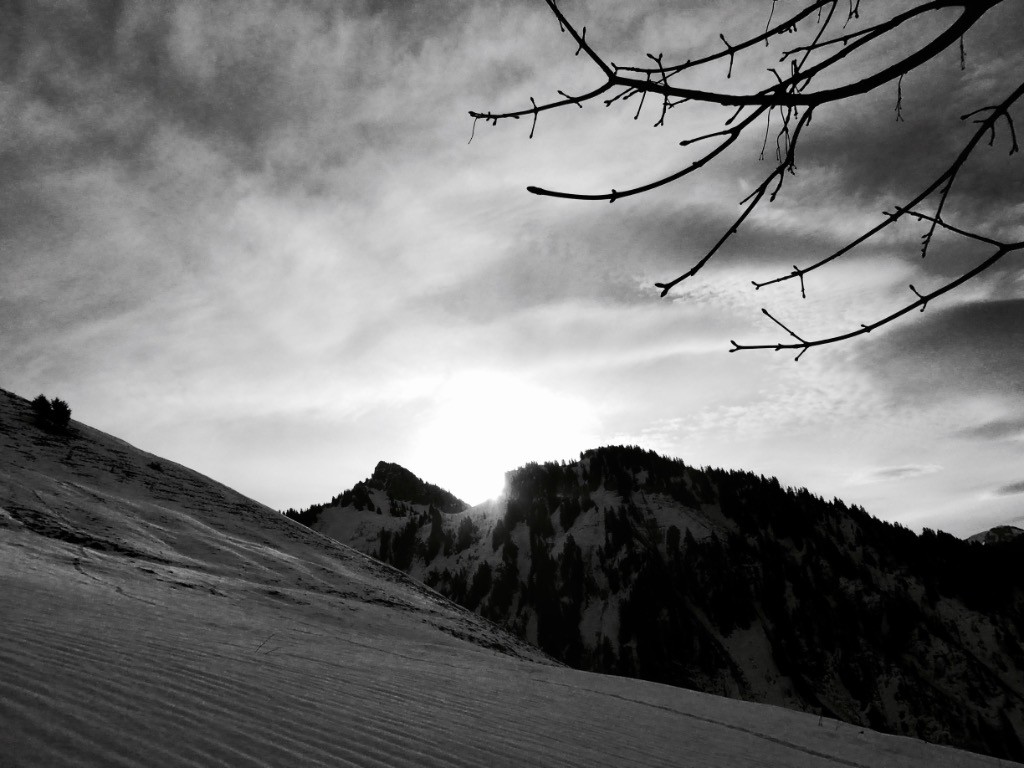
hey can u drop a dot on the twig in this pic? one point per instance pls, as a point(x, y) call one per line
point(922, 300)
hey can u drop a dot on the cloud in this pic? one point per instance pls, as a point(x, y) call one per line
point(973, 349)
point(1004, 429)
point(1011, 489)
point(887, 474)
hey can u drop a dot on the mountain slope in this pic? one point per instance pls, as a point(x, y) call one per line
point(153, 617)
point(630, 563)
point(1001, 534)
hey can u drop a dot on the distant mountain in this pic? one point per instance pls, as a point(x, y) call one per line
point(1001, 534)
point(630, 563)
point(392, 489)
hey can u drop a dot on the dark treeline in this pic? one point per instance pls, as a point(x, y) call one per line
point(866, 621)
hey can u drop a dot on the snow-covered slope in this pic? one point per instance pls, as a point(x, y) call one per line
point(149, 616)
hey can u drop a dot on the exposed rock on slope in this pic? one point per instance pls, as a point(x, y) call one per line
point(630, 563)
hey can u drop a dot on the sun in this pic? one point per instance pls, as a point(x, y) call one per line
point(483, 424)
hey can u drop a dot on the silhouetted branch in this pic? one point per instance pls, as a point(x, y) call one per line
point(731, 136)
point(787, 26)
point(947, 176)
point(494, 117)
point(752, 200)
point(922, 300)
point(790, 91)
point(946, 225)
point(794, 101)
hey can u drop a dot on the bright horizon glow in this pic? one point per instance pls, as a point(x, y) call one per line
point(484, 424)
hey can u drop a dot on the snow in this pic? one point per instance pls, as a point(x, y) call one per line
point(701, 523)
point(154, 617)
point(600, 620)
point(751, 650)
point(356, 525)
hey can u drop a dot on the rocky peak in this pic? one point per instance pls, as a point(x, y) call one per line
point(402, 485)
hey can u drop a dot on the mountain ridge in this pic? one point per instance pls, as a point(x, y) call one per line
point(631, 563)
point(391, 481)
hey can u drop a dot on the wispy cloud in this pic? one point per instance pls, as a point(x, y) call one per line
point(975, 347)
point(887, 474)
point(1011, 489)
point(1004, 429)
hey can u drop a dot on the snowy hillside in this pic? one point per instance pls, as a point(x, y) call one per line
point(630, 563)
point(151, 617)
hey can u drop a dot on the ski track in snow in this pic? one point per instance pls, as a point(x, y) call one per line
point(163, 674)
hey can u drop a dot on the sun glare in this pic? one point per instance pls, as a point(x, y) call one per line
point(484, 424)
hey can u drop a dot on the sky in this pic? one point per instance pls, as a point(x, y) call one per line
point(254, 237)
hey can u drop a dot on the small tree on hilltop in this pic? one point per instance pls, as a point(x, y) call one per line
point(52, 414)
point(60, 413)
point(42, 409)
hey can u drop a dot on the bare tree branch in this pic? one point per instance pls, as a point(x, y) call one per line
point(923, 299)
point(792, 102)
point(790, 93)
point(947, 176)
